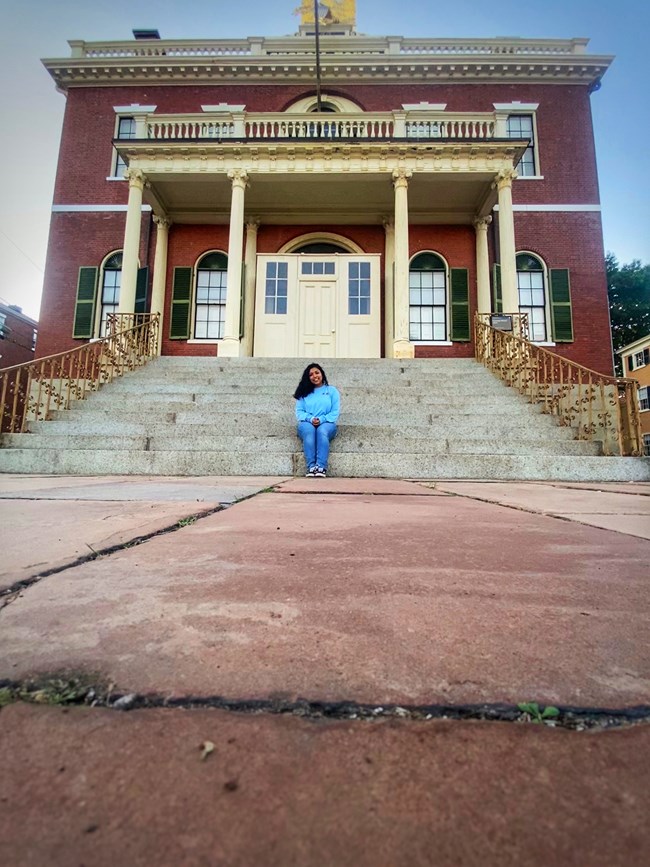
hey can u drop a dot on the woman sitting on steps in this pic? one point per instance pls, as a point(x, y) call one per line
point(317, 411)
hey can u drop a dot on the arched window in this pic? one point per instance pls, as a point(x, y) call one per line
point(110, 289)
point(210, 312)
point(428, 297)
point(532, 294)
point(321, 247)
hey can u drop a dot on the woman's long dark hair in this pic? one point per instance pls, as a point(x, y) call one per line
point(305, 386)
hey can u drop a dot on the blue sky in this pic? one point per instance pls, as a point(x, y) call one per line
point(32, 112)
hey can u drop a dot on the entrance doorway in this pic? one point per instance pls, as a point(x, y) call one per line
point(317, 306)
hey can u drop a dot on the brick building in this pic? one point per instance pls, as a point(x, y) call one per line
point(17, 336)
point(213, 182)
point(635, 358)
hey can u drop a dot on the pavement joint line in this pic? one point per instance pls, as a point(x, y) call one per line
point(557, 515)
point(569, 717)
point(11, 593)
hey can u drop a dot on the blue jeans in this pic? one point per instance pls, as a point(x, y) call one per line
point(316, 442)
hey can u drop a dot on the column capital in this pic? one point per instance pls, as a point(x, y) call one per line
point(136, 178)
point(239, 178)
point(252, 224)
point(481, 223)
point(162, 222)
point(388, 224)
point(401, 177)
point(504, 179)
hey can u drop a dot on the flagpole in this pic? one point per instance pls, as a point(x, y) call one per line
point(318, 96)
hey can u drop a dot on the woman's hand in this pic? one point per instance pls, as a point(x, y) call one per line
point(315, 422)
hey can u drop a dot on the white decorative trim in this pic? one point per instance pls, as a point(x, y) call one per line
point(433, 342)
point(75, 209)
point(314, 237)
point(424, 106)
point(115, 178)
point(515, 106)
point(530, 178)
point(134, 108)
point(534, 208)
point(207, 340)
point(223, 106)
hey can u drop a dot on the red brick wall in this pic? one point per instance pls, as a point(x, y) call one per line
point(564, 128)
point(77, 240)
point(17, 340)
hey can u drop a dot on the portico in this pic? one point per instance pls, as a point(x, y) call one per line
point(320, 180)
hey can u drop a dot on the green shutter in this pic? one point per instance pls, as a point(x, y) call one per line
point(460, 329)
point(179, 328)
point(497, 299)
point(141, 287)
point(561, 305)
point(241, 304)
point(84, 312)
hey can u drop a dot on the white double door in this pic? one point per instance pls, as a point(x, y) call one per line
point(310, 306)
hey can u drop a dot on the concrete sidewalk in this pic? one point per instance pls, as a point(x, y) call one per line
point(385, 593)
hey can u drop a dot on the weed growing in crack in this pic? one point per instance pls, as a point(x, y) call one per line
point(535, 714)
point(186, 522)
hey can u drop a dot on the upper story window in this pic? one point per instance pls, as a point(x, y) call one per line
point(639, 359)
point(125, 130)
point(3, 320)
point(522, 126)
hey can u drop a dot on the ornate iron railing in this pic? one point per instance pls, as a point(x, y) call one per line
point(32, 391)
point(599, 408)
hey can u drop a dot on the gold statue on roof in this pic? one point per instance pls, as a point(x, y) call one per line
point(328, 11)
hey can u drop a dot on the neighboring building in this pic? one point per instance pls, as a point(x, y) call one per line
point(256, 225)
point(635, 358)
point(17, 336)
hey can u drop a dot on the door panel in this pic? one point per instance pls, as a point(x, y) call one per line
point(317, 319)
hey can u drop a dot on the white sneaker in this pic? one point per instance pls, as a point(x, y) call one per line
point(311, 472)
point(320, 473)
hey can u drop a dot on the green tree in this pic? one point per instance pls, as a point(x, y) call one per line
point(628, 289)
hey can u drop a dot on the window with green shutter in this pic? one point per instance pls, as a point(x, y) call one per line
point(84, 313)
point(179, 327)
point(460, 326)
point(561, 314)
point(141, 286)
point(497, 298)
point(427, 298)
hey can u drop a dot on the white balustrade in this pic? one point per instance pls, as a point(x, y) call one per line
point(375, 126)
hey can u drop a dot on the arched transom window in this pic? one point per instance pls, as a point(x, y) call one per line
point(110, 289)
point(210, 306)
point(532, 294)
point(428, 298)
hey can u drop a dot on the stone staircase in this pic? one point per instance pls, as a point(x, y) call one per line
point(423, 418)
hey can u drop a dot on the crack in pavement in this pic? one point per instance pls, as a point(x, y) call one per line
point(11, 593)
point(54, 690)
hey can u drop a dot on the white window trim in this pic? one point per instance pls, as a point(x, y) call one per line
point(516, 107)
point(134, 108)
point(547, 297)
point(223, 107)
point(446, 341)
point(195, 277)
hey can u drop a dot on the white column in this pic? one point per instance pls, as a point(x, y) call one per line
point(230, 345)
point(131, 246)
point(250, 258)
point(402, 347)
point(483, 301)
point(509, 291)
point(389, 288)
point(160, 271)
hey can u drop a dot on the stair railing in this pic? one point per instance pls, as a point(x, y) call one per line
point(32, 391)
point(599, 408)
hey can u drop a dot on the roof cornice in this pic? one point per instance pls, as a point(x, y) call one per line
point(350, 59)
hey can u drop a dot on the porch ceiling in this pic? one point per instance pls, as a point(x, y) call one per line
point(326, 198)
